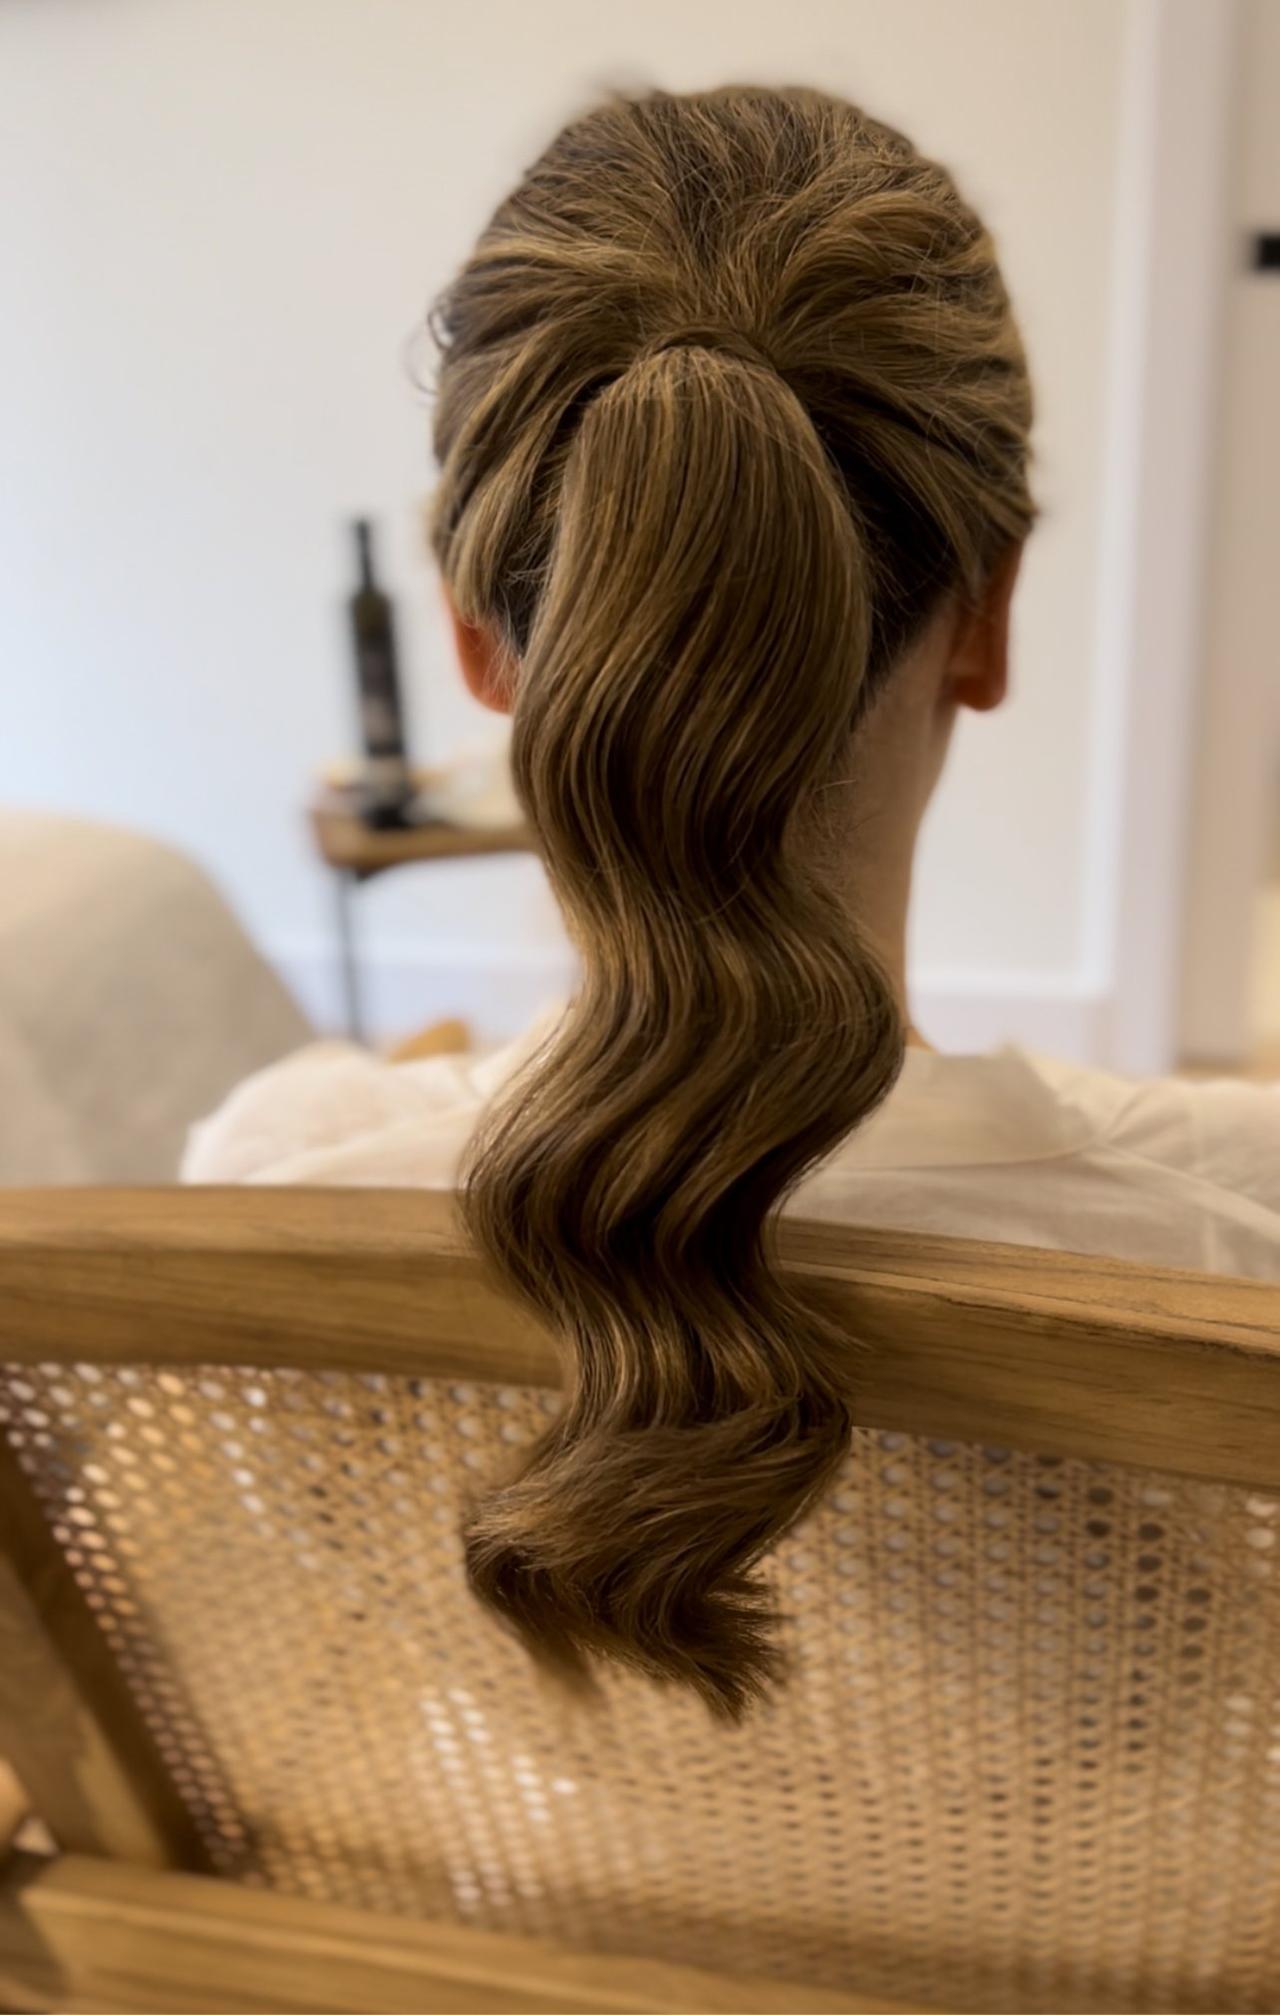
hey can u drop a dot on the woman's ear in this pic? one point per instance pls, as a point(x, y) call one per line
point(978, 669)
point(486, 662)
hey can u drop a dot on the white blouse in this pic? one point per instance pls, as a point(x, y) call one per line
point(1008, 1146)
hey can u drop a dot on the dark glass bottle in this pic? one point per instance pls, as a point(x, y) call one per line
point(388, 785)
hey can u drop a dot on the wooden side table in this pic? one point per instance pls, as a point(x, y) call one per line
point(357, 852)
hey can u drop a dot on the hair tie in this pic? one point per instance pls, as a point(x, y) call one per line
point(725, 342)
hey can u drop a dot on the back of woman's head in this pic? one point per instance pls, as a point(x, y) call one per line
point(731, 399)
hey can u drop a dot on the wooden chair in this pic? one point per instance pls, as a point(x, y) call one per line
point(1029, 1758)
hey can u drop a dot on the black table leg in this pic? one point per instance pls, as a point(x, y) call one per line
point(346, 884)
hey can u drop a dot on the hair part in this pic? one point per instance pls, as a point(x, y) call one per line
point(730, 398)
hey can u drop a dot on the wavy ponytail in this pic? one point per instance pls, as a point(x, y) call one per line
point(645, 429)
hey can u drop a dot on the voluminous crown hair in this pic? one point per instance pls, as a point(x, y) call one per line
point(730, 399)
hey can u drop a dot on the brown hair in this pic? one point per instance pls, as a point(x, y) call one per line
point(730, 398)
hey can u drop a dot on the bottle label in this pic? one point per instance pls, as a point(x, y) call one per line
point(379, 710)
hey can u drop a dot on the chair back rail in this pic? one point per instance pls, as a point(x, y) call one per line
point(1068, 1355)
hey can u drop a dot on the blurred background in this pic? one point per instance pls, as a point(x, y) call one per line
point(223, 221)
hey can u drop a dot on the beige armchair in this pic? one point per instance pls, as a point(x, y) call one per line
point(130, 1002)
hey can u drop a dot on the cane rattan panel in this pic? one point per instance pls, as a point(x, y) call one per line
point(1029, 1759)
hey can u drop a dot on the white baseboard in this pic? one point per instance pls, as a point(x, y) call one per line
point(499, 990)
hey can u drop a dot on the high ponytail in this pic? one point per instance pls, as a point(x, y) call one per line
point(685, 687)
point(702, 552)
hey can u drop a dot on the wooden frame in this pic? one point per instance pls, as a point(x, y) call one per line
point(1002, 1344)
point(15, 1809)
point(78, 1934)
point(67, 1720)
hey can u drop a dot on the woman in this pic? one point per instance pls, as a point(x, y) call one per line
point(733, 426)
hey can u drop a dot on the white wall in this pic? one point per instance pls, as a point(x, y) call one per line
point(221, 221)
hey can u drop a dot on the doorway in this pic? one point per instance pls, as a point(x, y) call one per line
point(1230, 993)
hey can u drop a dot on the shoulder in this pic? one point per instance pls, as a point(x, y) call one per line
point(1222, 1131)
point(334, 1112)
point(330, 1112)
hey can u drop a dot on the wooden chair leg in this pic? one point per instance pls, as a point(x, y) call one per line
point(68, 1726)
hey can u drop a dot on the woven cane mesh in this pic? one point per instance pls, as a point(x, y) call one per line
point(1030, 1757)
